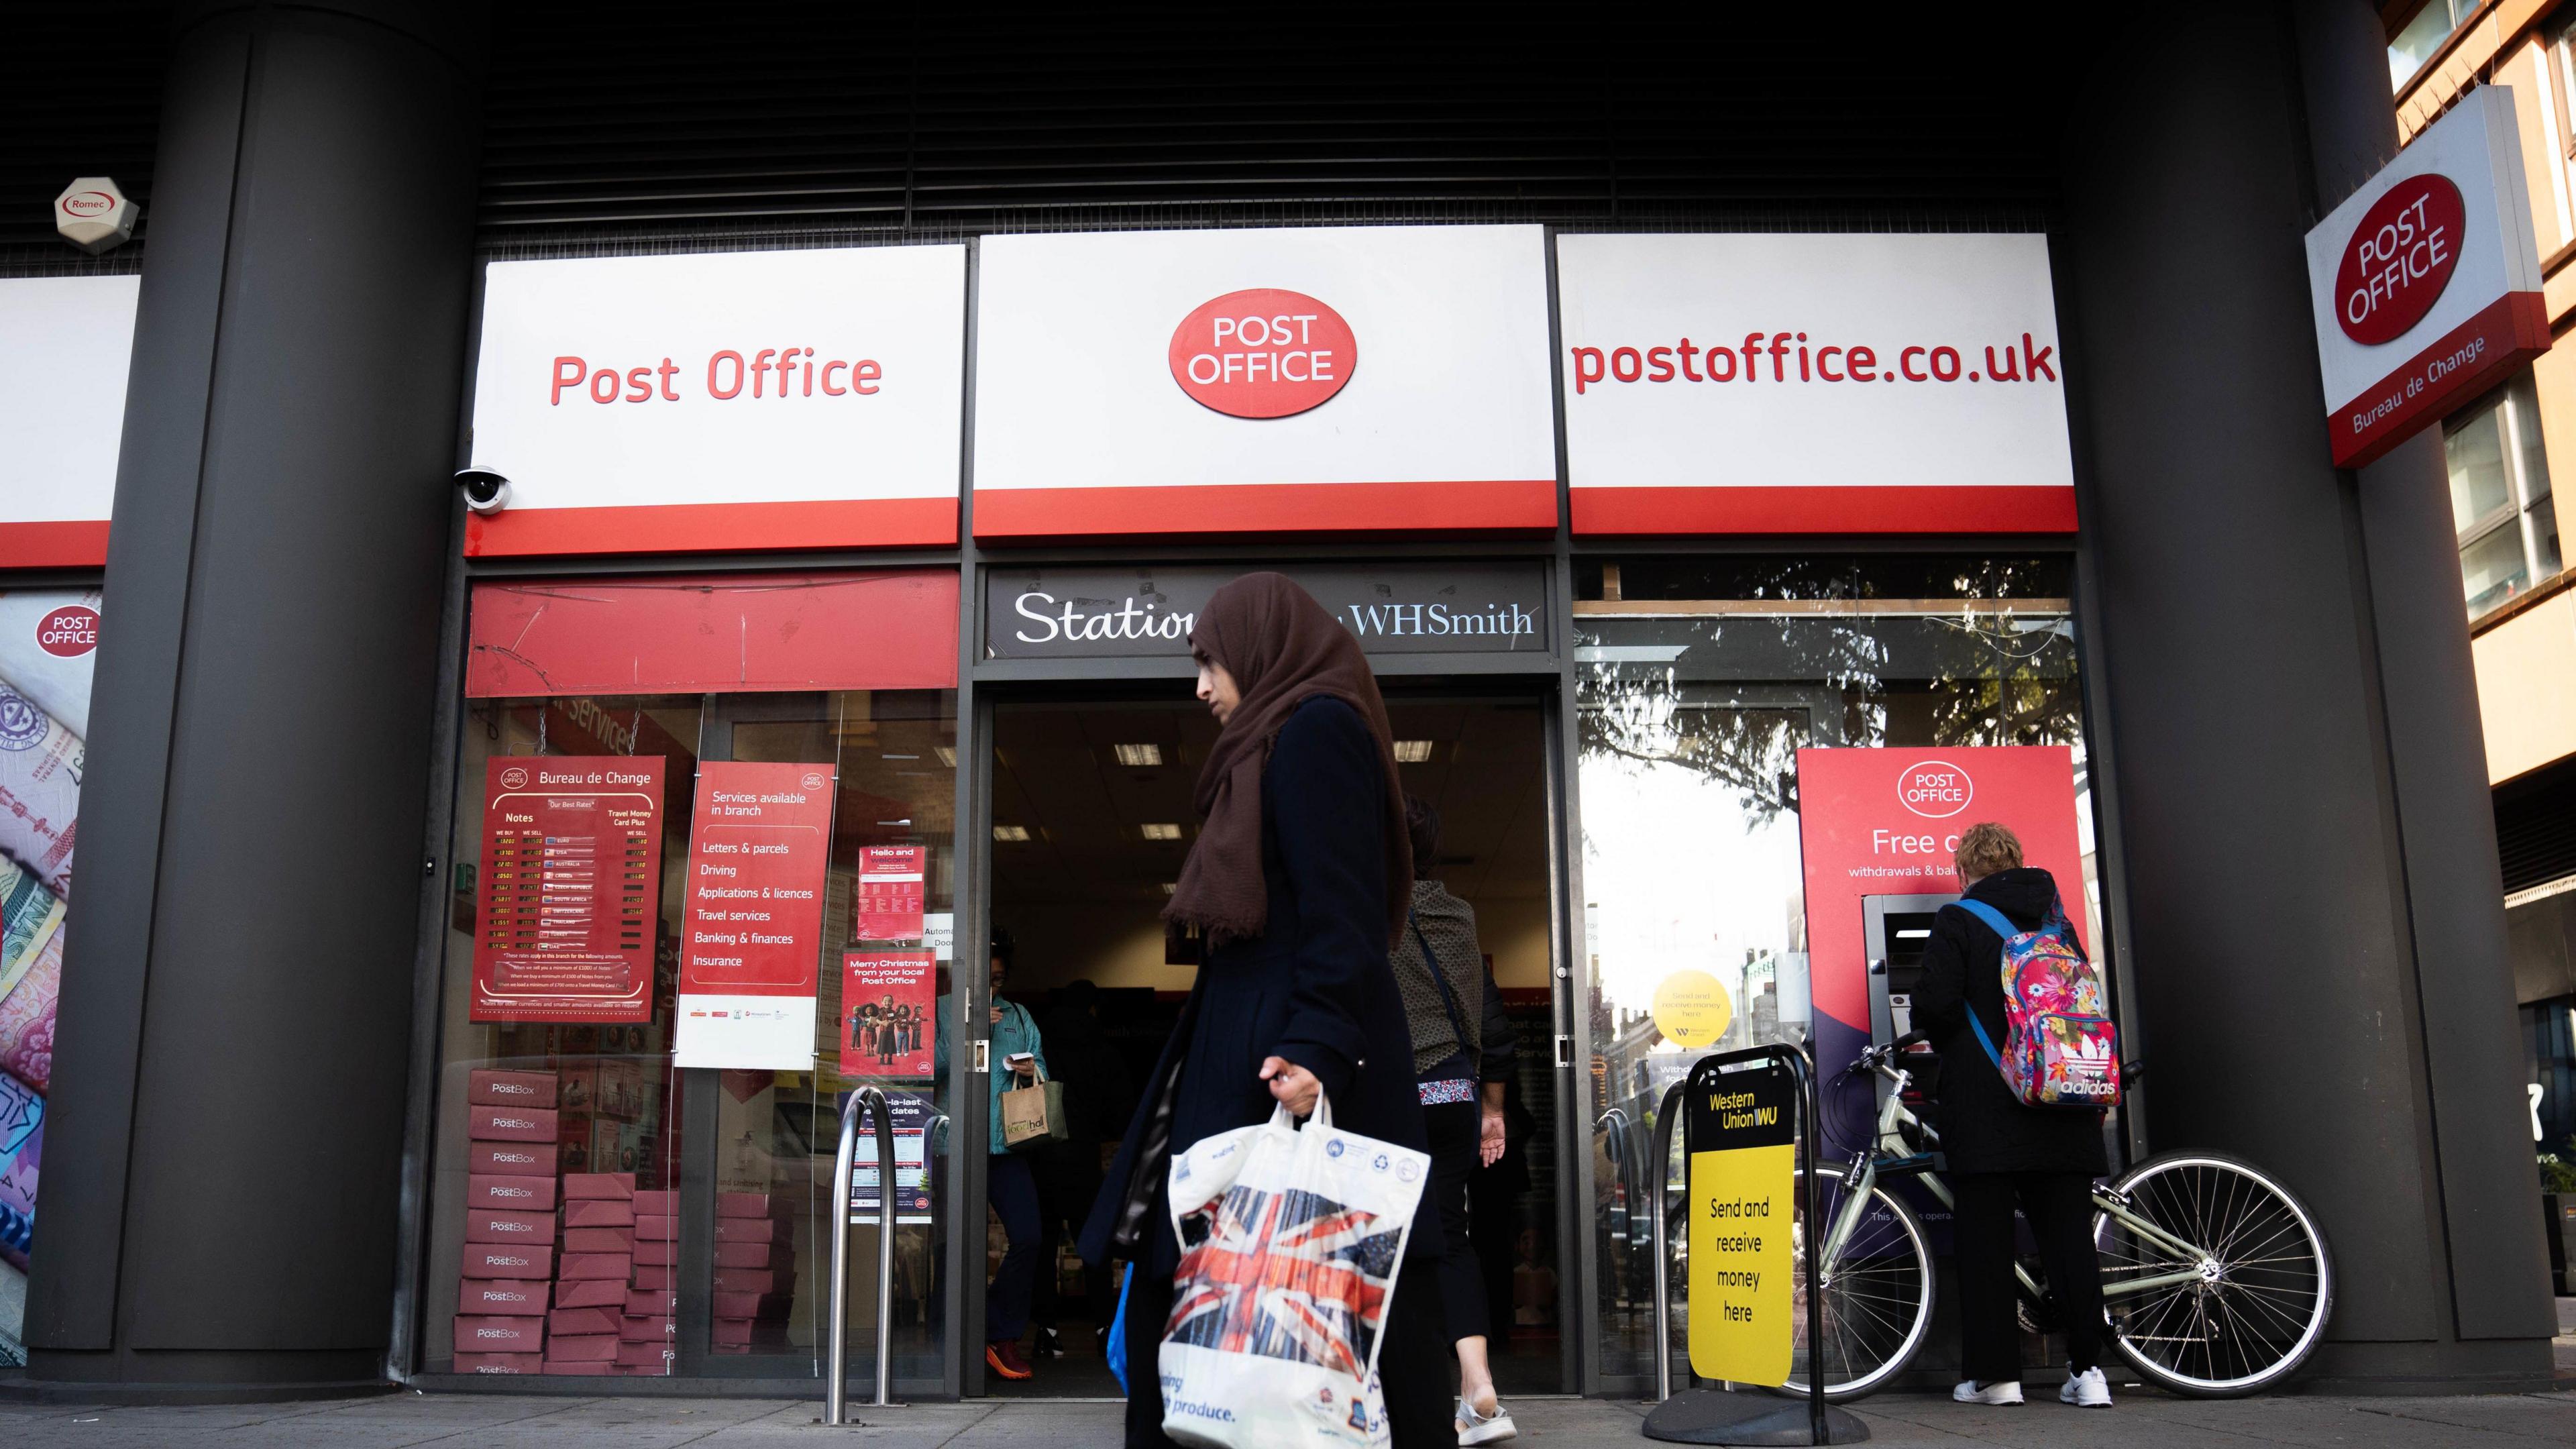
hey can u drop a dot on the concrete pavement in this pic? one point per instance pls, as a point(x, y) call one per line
point(2141, 1421)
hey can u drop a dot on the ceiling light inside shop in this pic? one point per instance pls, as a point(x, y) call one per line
point(1412, 752)
point(1170, 886)
point(890, 755)
point(1160, 832)
point(947, 755)
point(1144, 754)
point(1010, 833)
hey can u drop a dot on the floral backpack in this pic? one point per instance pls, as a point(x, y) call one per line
point(2060, 1049)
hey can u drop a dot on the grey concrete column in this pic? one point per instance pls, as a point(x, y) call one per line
point(2293, 792)
point(222, 1158)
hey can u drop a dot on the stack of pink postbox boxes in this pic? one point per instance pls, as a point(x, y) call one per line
point(509, 1222)
point(755, 1272)
point(588, 1331)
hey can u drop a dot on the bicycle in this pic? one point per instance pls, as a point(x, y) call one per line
point(2216, 1281)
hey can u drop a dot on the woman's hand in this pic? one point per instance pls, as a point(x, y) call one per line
point(1292, 1085)
point(997, 1016)
point(1489, 1147)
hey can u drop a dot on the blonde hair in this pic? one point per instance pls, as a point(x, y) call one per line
point(1985, 849)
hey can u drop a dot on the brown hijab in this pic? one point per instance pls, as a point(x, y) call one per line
point(1282, 649)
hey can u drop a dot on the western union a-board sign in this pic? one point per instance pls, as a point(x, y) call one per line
point(1740, 1130)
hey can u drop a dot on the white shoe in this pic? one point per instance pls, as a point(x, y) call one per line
point(2086, 1390)
point(2000, 1391)
point(1494, 1428)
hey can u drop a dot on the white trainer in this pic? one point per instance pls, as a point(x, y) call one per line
point(1999, 1391)
point(2086, 1390)
point(1493, 1428)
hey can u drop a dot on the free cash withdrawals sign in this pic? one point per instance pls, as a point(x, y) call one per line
point(2426, 282)
point(753, 915)
point(1740, 1129)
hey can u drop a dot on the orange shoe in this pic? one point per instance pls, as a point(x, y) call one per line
point(1004, 1359)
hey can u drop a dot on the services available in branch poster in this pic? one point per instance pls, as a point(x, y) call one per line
point(570, 883)
point(887, 1014)
point(752, 937)
point(887, 904)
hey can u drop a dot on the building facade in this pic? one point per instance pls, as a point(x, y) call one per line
point(491, 893)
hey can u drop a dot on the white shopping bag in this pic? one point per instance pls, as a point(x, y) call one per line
point(1289, 1246)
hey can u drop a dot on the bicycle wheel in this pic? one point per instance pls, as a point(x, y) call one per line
point(1878, 1294)
point(2244, 1307)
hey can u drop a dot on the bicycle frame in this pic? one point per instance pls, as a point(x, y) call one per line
point(1871, 1162)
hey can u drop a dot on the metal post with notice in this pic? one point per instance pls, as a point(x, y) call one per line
point(836, 1369)
point(1743, 1114)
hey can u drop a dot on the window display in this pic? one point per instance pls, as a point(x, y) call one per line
point(1701, 679)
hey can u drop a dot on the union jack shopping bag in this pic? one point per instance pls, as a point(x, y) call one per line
point(1289, 1246)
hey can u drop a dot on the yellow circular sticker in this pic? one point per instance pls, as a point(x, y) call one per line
point(1692, 1008)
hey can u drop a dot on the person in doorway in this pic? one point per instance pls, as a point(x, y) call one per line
point(1462, 1049)
point(1097, 1099)
point(1018, 1059)
point(1298, 883)
point(2001, 1151)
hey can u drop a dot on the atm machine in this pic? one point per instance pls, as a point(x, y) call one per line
point(1894, 932)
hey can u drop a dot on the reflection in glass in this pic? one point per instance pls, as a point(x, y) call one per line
point(1700, 679)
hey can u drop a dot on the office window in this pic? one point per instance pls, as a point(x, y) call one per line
point(2500, 500)
point(2417, 40)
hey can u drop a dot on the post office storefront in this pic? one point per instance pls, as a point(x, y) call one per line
point(832, 625)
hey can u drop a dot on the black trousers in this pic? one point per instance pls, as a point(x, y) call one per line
point(1412, 1365)
point(1455, 1130)
point(2060, 1208)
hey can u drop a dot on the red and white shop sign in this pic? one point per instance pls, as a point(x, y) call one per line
point(734, 400)
point(1314, 380)
point(65, 346)
point(2426, 282)
point(1886, 822)
point(752, 915)
point(1842, 383)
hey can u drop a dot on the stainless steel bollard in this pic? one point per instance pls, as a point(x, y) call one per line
point(836, 1387)
point(1665, 1117)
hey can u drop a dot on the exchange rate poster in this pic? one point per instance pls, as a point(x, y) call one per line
point(752, 937)
point(571, 878)
point(887, 904)
point(886, 1014)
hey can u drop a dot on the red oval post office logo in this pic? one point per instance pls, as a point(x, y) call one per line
point(88, 203)
point(68, 632)
point(1263, 353)
point(2399, 259)
point(1935, 789)
point(514, 778)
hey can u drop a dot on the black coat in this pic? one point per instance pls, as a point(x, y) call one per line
point(1984, 1127)
point(1314, 987)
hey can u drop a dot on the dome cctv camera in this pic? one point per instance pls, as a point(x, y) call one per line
point(486, 491)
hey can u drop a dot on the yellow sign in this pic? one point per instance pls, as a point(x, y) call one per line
point(1692, 1009)
point(1743, 1171)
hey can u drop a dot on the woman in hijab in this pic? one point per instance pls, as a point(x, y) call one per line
point(1298, 882)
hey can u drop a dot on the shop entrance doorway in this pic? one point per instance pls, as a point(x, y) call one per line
point(1091, 817)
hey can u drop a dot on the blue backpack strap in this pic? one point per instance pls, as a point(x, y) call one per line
point(2001, 925)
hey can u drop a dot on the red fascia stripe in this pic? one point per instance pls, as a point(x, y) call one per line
point(2515, 328)
point(714, 527)
point(1502, 506)
point(1864, 509)
point(53, 545)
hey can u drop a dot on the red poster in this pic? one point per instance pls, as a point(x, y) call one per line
point(887, 904)
point(752, 936)
point(571, 878)
point(1885, 822)
point(887, 1014)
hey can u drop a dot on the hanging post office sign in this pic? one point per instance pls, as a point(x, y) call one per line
point(2426, 282)
point(1147, 611)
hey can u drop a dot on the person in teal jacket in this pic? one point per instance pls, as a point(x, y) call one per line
point(1009, 1185)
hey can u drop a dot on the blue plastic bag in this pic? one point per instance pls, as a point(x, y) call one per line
point(1118, 1332)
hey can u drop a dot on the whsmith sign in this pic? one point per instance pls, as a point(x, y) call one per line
point(1147, 613)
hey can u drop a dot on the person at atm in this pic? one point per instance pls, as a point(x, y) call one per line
point(2001, 1151)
